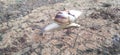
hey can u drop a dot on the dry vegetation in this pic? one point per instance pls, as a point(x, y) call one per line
point(20, 25)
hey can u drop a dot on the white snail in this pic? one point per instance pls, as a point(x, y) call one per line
point(63, 19)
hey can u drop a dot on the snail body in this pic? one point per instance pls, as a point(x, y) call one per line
point(63, 19)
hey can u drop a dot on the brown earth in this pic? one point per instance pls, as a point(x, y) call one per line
point(99, 23)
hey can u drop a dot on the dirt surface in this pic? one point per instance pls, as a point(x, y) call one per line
point(100, 23)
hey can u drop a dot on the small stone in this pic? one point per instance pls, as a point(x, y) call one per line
point(116, 41)
point(21, 39)
point(1, 38)
point(59, 45)
point(95, 27)
point(89, 50)
point(106, 5)
point(117, 21)
point(42, 20)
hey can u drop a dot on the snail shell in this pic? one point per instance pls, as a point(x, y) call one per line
point(67, 16)
point(62, 17)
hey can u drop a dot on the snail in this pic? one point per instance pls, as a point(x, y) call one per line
point(63, 19)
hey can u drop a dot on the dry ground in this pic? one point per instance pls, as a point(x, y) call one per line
point(99, 23)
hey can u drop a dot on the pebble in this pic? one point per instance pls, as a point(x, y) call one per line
point(116, 41)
